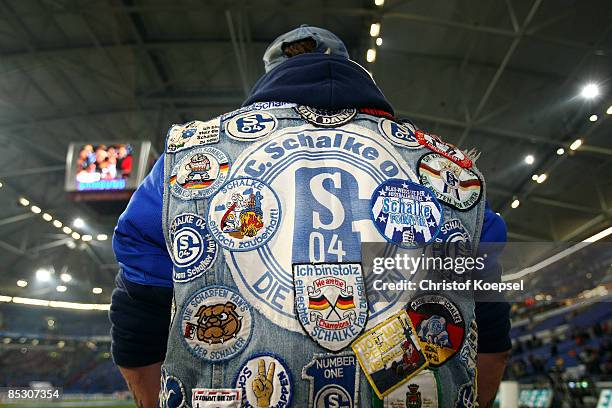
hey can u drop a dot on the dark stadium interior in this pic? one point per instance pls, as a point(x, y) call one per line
point(504, 77)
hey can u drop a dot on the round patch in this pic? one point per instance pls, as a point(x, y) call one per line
point(199, 174)
point(265, 381)
point(406, 213)
point(399, 134)
point(193, 249)
point(453, 241)
point(439, 326)
point(172, 392)
point(244, 214)
point(249, 126)
point(433, 142)
point(454, 185)
point(326, 118)
point(216, 323)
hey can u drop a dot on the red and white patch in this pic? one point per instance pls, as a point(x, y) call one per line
point(216, 398)
point(434, 143)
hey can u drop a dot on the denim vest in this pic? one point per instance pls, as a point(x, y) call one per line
point(264, 212)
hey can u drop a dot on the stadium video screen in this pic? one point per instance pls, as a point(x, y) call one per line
point(106, 166)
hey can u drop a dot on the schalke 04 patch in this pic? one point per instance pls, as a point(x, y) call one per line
point(406, 213)
point(324, 117)
point(244, 214)
point(330, 302)
point(454, 185)
point(439, 326)
point(390, 354)
point(334, 380)
point(216, 323)
point(434, 143)
point(199, 174)
point(466, 397)
point(172, 392)
point(421, 391)
point(265, 381)
point(216, 398)
point(399, 134)
point(453, 241)
point(194, 133)
point(193, 249)
point(249, 126)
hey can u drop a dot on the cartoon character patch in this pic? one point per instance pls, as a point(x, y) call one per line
point(334, 380)
point(330, 302)
point(406, 213)
point(454, 185)
point(400, 134)
point(390, 354)
point(249, 126)
point(192, 247)
point(199, 174)
point(265, 381)
point(439, 326)
point(326, 118)
point(172, 392)
point(194, 133)
point(434, 143)
point(244, 214)
point(216, 323)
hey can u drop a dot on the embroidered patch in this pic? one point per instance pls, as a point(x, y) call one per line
point(406, 213)
point(265, 381)
point(399, 134)
point(334, 380)
point(192, 247)
point(324, 117)
point(216, 323)
point(258, 106)
point(216, 398)
point(330, 302)
point(466, 397)
point(390, 354)
point(324, 180)
point(453, 241)
point(172, 392)
point(376, 112)
point(434, 143)
point(244, 214)
point(439, 326)
point(199, 174)
point(469, 351)
point(249, 126)
point(194, 133)
point(458, 187)
point(420, 392)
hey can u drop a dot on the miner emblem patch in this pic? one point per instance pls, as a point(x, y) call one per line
point(330, 302)
point(216, 323)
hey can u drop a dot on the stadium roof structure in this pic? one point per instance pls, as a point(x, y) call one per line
point(502, 76)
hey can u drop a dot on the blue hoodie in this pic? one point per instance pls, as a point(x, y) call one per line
point(140, 306)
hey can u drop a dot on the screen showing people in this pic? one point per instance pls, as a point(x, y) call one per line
point(104, 167)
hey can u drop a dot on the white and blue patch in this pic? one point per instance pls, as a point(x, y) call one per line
point(469, 352)
point(216, 323)
point(453, 241)
point(250, 126)
point(324, 179)
point(192, 247)
point(399, 134)
point(334, 380)
point(194, 133)
point(172, 392)
point(324, 117)
point(244, 214)
point(265, 381)
point(199, 174)
point(330, 302)
point(407, 214)
point(258, 106)
point(466, 397)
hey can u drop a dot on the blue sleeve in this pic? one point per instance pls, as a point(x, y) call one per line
point(138, 241)
point(140, 303)
point(493, 318)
